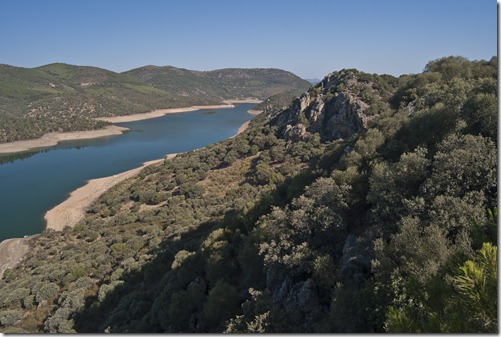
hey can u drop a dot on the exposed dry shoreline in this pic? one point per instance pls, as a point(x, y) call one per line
point(160, 113)
point(254, 112)
point(72, 210)
point(242, 128)
point(52, 139)
point(243, 100)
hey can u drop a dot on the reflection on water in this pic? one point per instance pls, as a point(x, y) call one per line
point(33, 182)
point(9, 158)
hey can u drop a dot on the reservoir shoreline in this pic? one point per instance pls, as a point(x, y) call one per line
point(160, 112)
point(73, 209)
point(52, 139)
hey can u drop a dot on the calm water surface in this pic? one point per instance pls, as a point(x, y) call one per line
point(31, 184)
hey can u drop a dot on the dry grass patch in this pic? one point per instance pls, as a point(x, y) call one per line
point(218, 182)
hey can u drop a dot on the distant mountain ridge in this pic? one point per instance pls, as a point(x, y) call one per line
point(314, 80)
point(225, 83)
point(60, 97)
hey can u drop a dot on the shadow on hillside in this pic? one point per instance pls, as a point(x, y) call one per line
point(124, 306)
point(170, 293)
point(139, 303)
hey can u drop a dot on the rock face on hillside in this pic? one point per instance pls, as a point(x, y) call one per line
point(337, 107)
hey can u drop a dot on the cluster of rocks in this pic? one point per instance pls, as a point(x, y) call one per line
point(333, 108)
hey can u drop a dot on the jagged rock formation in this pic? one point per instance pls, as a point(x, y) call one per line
point(337, 107)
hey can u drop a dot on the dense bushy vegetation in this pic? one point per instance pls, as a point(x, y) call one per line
point(228, 83)
point(61, 98)
point(393, 229)
point(276, 102)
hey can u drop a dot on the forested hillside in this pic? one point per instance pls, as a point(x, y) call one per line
point(368, 204)
point(223, 83)
point(60, 97)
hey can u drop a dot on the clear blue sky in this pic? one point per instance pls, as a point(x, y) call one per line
point(309, 37)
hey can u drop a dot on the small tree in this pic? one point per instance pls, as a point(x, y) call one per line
point(476, 284)
point(47, 292)
point(222, 303)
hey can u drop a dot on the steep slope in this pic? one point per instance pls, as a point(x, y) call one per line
point(60, 97)
point(378, 222)
point(341, 105)
point(276, 102)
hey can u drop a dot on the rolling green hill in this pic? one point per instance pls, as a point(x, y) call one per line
point(60, 97)
point(368, 204)
point(223, 83)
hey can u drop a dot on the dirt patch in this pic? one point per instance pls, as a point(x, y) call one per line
point(11, 252)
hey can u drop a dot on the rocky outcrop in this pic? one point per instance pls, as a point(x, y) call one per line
point(335, 108)
point(356, 259)
point(299, 299)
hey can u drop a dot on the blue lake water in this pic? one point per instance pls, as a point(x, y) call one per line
point(33, 183)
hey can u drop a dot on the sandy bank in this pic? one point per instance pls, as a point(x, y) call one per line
point(160, 113)
point(254, 112)
point(52, 139)
point(72, 210)
point(242, 128)
point(243, 100)
point(11, 252)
